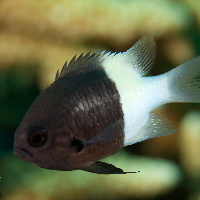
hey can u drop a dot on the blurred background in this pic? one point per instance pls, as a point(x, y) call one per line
point(38, 36)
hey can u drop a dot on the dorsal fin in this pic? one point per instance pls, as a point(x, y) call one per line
point(81, 61)
point(142, 54)
point(57, 75)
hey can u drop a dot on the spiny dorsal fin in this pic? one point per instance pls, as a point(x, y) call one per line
point(81, 61)
point(57, 75)
point(142, 54)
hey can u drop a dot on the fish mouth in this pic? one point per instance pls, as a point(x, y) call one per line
point(23, 154)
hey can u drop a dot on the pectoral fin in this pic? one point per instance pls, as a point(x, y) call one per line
point(110, 133)
point(99, 167)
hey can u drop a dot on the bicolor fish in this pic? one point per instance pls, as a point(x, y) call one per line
point(99, 103)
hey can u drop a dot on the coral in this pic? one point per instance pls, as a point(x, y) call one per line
point(63, 28)
point(189, 144)
point(41, 35)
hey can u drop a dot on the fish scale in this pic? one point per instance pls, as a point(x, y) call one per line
point(99, 103)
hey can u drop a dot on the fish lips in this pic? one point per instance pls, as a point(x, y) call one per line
point(23, 154)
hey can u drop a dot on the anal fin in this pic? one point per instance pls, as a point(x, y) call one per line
point(156, 126)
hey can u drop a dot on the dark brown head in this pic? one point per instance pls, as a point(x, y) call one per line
point(66, 128)
point(74, 122)
point(43, 137)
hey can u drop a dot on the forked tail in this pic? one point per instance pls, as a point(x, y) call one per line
point(184, 82)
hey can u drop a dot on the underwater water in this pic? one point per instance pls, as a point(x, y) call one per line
point(34, 46)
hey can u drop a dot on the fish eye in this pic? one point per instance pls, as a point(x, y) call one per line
point(37, 136)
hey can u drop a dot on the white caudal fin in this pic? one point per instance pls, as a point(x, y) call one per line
point(184, 82)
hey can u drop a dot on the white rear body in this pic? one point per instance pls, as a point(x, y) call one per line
point(141, 95)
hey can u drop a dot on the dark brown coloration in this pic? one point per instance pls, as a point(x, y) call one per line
point(82, 63)
point(81, 105)
point(105, 168)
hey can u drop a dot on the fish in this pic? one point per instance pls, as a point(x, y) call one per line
point(100, 103)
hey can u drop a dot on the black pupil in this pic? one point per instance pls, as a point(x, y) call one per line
point(37, 137)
